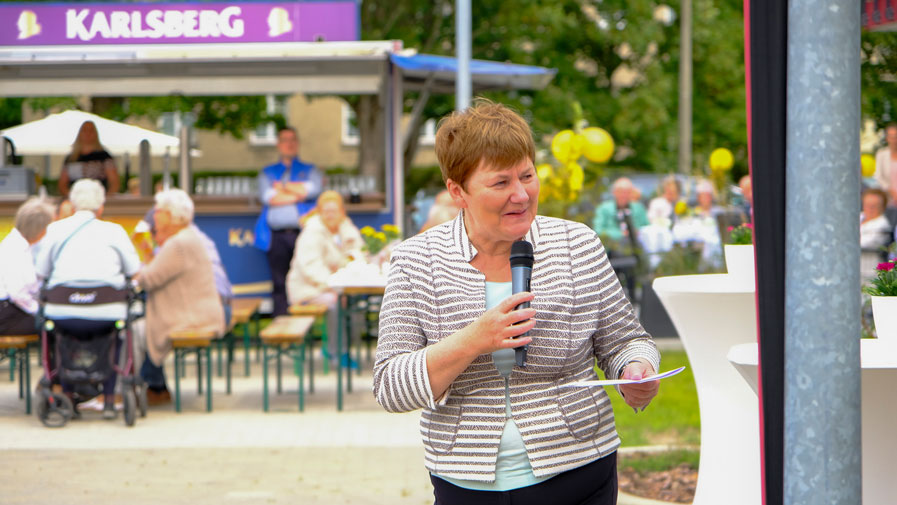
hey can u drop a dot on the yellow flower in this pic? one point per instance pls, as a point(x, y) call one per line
point(681, 208)
point(367, 231)
point(576, 177)
point(380, 236)
point(390, 228)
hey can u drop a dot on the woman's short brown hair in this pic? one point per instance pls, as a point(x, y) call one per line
point(485, 132)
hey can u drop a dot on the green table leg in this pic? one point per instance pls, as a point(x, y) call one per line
point(311, 366)
point(209, 378)
point(199, 369)
point(27, 382)
point(246, 349)
point(265, 378)
point(218, 346)
point(230, 359)
point(339, 354)
point(177, 382)
point(278, 354)
point(302, 377)
point(348, 341)
point(21, 365)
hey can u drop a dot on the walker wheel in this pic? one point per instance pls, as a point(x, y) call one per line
point(54, 410)
point(130, 406)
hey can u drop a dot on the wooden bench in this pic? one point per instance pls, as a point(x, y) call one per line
point(244, 311)
point(285, 336)
point(315, 310)
point(200, 342)
point(10, 347)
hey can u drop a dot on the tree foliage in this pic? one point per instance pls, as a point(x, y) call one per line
point(594, 45)
point(879, 76)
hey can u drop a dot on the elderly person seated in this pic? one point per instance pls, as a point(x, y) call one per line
point(83, 251)
point(328, 241)
point(616, 218)
point(443, 209)
point(662, 209)
point(875, 229)
point(180, 287)
point(18, 281)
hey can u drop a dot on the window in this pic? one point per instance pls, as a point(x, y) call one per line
point(349, 129)
point(266, 134)
point(170, 123)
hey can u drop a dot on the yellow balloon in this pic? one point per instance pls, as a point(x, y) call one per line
point(867, 162)
point(566, 146)
point(680, 208)
point(721, 159)
point(575, 176)
point(544, 171)
point(598, 145)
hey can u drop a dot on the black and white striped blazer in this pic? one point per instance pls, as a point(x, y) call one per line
point(581, 314)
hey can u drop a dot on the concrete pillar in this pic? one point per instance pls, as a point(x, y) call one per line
point(822, 299)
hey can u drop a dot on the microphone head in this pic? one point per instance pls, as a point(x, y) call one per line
point(522, 254)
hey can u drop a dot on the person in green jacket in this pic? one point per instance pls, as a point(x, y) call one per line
point(614, 218)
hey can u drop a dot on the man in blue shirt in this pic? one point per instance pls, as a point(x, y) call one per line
point(287, 190)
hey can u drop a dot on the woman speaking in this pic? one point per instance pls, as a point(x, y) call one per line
point(494, 431)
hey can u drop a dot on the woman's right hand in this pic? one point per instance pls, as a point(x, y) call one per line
point(499, 327)
point(492, 331)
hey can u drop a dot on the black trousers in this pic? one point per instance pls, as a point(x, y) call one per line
point(591, 484)
point(15, 321)
point(283, 243)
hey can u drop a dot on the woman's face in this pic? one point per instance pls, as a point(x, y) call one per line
point(164, 225)
point(499, 205)
point(88, 134)
point(331, 215)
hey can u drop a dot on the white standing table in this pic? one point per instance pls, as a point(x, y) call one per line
point(712, 313)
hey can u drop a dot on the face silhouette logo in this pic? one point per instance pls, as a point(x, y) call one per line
point(279, 22)
point(28, 25)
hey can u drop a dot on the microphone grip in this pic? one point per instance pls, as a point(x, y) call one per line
point(520, 282)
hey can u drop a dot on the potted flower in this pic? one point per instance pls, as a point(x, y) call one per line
point(883, 290)
point(378, 244)
point(739, 252)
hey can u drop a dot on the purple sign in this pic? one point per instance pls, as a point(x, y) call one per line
point(176, 23)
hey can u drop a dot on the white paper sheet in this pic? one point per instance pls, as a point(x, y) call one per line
point(616, 382)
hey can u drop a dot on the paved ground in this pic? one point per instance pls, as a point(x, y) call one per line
point(235, 455)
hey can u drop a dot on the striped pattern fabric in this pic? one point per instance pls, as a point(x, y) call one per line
point(582, 314)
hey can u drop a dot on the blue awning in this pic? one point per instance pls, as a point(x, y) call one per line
point(485, 75)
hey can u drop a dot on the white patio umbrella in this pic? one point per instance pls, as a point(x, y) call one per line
point(55, 134)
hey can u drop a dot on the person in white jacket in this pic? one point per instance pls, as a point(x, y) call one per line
point(328, 241)
point(886, 163)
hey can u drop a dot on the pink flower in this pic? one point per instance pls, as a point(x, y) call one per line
point(885, 267)
point(731, 228)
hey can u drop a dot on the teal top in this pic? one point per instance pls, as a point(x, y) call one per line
point(607, 224)
point(512, 469)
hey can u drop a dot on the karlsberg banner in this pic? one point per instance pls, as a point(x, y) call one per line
point(23, 24)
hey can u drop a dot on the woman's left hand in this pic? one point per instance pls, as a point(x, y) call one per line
point(638, 396)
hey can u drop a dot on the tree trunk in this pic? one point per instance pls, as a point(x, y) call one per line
point(371, 143)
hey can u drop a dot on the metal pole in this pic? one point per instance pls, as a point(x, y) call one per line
point(685, 88)
point(145, 171)
point(185, 174)
point(462, 52)
point(822, 299)
point(166, 169)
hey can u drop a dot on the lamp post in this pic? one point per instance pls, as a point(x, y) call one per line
point(685, 84)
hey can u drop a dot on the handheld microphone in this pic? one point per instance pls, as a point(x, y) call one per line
point(521, 271)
